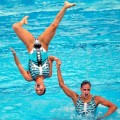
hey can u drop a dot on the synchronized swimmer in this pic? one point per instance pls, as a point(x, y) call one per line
point(85, 103)
point(40, 67)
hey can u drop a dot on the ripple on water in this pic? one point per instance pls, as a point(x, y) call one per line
point(8, 108)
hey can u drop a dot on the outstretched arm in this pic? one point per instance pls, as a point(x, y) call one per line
point(66, 90)
point(111, 106)
point(24, 73)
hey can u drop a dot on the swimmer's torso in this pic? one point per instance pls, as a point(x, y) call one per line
point(38, 61)
point(86, 109)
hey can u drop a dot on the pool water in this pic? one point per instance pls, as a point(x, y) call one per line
point(88, 43)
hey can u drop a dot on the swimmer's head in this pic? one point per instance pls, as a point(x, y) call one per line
point(85, 89)
point(85, 82)
point(40, 89)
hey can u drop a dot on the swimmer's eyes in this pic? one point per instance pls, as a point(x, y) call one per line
point(86, 89)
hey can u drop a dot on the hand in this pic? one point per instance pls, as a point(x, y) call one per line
point(13, 51)
point(58, 63)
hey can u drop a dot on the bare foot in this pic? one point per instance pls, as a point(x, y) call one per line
point(68, 5)
point(24, 20)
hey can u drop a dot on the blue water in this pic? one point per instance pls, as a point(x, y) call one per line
point(88, 43)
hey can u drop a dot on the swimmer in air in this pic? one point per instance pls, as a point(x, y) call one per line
point(38, 48)
point(37, 71)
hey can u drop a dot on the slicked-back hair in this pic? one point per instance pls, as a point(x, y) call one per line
point(85, 82)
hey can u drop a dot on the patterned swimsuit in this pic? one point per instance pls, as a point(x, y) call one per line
point(38, 61)
point(86, 109)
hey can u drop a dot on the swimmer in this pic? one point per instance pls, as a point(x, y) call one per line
point(85, 103)
point(37, 72)
point(38, 48)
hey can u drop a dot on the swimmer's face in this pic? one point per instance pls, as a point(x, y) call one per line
point(40, 89)
point(85, 89)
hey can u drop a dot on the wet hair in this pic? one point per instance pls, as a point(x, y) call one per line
point(42, 93)
point(85, 82)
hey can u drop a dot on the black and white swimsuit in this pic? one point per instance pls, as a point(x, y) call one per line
point(85, 109)
point(38, 61)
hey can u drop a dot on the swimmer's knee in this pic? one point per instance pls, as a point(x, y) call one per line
point(54, 25)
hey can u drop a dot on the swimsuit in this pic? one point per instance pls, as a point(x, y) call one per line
point(86, 109)
point(38, 61)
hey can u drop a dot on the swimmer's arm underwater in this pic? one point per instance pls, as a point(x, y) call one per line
point(24, 73)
